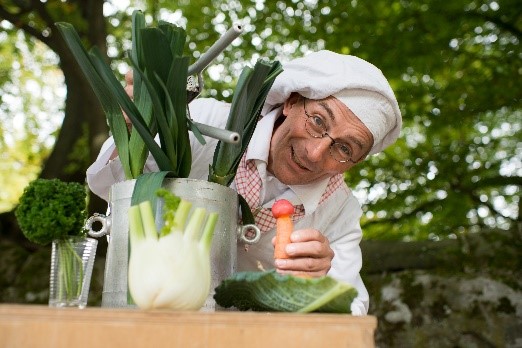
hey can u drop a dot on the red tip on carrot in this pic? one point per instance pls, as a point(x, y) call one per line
point(282, 207)
point(282, 210)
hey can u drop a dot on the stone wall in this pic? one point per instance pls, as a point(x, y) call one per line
point(467, 294)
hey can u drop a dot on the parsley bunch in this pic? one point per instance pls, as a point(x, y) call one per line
point(52, 209)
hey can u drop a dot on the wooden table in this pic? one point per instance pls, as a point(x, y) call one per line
point(30, 326)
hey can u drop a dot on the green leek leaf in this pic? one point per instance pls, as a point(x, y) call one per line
point(170, 125)
point(195, 130)
point(176, 37)
point(249, 96)
point(130, 109)
point(246, 213)
point(136, 143)
point(177, 86)
point(138, 23)
point(156, 150)
point(137, 150)
point(103, 93)
point(157, 56)
point(146, 187)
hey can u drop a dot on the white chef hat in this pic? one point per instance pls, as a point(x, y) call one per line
point(358, 84)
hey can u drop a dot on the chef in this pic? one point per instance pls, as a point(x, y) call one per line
point(325, 114)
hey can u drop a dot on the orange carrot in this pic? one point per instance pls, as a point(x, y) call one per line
point(282, 210)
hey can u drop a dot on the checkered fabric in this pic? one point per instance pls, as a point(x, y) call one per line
point(248, 184)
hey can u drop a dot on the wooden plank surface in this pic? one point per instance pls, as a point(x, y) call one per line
point(41, 326)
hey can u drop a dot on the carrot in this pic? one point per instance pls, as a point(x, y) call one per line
point(282, 210)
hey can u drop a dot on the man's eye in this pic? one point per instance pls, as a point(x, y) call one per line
point(318, 121)
point(345, 149)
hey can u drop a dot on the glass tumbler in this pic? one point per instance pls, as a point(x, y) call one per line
point(72, 261)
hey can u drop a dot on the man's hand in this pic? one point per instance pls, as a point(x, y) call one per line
point(129, 89)
point(310, 254)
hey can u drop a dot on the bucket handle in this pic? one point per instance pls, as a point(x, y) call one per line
point(104, 230)
point(249, 233)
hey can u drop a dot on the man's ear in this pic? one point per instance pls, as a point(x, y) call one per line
point(291, 102)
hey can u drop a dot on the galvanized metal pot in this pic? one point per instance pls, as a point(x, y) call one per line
point(211, 196)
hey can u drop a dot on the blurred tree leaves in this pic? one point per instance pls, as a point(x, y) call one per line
point(455, 68)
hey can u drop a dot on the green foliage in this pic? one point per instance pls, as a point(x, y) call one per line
point(28, 78)
point(455, 68)
point(51, 209)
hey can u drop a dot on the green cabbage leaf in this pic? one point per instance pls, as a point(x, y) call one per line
point(271, 291)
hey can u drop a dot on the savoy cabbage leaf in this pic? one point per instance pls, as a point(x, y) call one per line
point(271, 291)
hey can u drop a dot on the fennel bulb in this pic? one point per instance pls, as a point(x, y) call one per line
point(170, 269)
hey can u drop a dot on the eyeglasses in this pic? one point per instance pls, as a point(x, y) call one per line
point(315, 125)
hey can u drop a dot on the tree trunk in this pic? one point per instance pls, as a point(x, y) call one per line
point(84, 128)
point(79, 122)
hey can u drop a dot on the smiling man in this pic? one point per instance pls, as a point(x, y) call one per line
point(341, 140)
point(324, 114)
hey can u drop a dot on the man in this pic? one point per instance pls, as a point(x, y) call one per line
point(324, 114)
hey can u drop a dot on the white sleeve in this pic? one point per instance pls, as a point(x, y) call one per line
point(101, 174)
point(347, 261)
point(213, 113)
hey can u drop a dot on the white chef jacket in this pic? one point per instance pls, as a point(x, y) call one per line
point(337, 218)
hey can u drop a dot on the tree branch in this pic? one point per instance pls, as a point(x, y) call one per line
point(501, 181)
point(421, 207)
point(490, 206)
point(15, 19)
point(498, 22)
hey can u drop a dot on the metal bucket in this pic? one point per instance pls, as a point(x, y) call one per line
point(211, 196)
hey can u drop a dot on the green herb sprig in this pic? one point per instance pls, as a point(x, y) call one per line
point(53, 210)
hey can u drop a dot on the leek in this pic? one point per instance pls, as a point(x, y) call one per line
point(249, 96)
point(170, 269)
point(160, 100)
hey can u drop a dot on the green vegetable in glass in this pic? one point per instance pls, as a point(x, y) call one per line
point(271, 291)
point(54, 210)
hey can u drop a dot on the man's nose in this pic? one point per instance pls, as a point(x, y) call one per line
point(318, 148)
